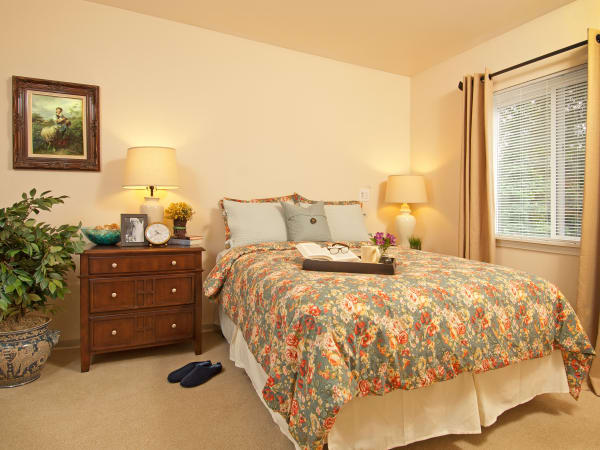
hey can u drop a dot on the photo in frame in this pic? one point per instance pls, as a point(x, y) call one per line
point(55, 125)
point(133, 227)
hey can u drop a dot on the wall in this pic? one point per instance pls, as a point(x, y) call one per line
point(436, 123)
point(247, 119)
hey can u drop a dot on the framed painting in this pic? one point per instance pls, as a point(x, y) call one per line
point(55, 125)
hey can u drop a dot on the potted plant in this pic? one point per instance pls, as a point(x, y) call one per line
point(180, 213)
point(415, 242)
point(34, 260)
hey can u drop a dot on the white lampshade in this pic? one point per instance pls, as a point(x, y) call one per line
point(405, 189)
point(151, 166)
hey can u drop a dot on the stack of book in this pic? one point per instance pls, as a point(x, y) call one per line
point(188, 241)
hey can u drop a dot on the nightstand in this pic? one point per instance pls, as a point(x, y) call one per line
point(134, 297)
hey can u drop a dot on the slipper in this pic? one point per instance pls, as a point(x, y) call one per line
point(177, 375)
point(201, 374)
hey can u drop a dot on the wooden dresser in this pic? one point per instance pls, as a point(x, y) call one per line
point(139, 297)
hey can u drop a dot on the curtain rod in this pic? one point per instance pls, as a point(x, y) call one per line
point(531, 61)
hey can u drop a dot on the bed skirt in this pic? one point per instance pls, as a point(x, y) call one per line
point(458, 406)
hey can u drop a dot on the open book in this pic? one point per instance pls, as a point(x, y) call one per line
point(314, 251)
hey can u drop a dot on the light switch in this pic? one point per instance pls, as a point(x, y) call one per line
point(365, 194)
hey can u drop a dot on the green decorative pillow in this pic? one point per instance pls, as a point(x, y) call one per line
point(306, 223)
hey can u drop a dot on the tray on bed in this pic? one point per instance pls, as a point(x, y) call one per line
point(348, 267)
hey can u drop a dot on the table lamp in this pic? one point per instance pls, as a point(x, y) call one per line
point(151, 168)
point(405, 189)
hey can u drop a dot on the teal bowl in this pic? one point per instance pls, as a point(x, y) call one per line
point(102, 237)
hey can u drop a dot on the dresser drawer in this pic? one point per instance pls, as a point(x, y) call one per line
point(122, 293)
point(114, 332)
point(112, 294)
point(174, 290)
point(141, 329)
point(140, 264)
point(172, 326)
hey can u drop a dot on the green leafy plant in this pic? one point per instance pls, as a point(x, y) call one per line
point(415, 242)
point(34, 256)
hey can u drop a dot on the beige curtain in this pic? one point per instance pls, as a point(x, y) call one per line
point(588, 293)
point(476, 211)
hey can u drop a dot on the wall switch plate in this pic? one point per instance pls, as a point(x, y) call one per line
point(365, 194)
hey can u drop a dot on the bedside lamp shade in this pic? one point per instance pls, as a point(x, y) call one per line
point(154, 167)
point(405, 189)
point(151, 168)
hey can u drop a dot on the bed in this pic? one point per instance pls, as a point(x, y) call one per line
point(375, 361)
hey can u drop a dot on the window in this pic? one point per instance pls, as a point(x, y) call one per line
point(539, 157)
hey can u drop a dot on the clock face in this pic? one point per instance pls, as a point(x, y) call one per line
point(157, 233)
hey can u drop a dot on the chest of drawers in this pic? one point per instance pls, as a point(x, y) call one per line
point(139, 297)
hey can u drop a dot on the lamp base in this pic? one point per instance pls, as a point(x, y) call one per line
point(405, 224)
point(153, 209)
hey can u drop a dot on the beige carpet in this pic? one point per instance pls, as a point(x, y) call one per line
point(124, 402)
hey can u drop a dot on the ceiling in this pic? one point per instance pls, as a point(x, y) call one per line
point(396, 36)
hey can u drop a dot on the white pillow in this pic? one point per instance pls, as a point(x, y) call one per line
point(346, 223)
point(253, 223)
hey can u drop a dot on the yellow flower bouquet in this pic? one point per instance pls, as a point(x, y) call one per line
point(180, 213)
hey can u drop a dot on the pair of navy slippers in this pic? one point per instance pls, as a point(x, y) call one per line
point(195, 373)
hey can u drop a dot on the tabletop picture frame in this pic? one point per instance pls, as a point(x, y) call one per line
point(133, 227)
point(55, 125)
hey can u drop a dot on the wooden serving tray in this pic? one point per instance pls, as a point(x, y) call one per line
point(348, 267)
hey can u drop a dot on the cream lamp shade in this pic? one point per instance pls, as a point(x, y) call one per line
point(405, 189)
point(151, 168)
point(154, 167)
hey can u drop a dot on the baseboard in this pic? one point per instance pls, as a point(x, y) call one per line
point(68, 343)
point(74, 343)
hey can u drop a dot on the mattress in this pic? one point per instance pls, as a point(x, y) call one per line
point(461, 405)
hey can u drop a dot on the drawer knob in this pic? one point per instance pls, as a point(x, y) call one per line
point(113, 295)
point(174, 325)
point(113, 332)
point(173, 290)
point(173, 263)
point(114, 265)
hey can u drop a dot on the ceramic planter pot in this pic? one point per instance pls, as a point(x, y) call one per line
point(23, 354)
point(179, 228)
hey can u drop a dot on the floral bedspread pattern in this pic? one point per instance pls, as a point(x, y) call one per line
point(324, 338)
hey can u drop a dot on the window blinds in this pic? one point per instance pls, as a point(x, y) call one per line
point(539, 157)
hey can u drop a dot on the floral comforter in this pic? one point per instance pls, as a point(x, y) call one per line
point(324, 338)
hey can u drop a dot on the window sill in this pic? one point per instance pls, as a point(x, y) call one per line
point(559, 247)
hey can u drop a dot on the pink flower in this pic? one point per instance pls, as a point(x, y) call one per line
point(383, 240)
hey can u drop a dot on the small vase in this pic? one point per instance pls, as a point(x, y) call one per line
point(179, 228)
point(386, 260)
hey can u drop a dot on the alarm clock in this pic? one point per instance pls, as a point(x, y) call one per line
point(157, 233)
